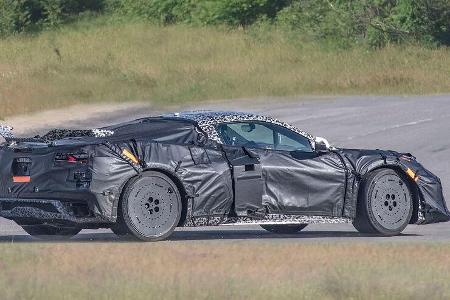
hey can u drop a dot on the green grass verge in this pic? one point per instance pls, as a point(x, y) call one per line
point(225, 270)
point(98, 61)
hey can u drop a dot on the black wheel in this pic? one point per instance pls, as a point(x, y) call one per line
point(284, 228)
point(151, 206)
point(50, 232)
point(385, 203)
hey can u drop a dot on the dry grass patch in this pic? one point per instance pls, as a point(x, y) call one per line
point(175, 64)
point(223, 270)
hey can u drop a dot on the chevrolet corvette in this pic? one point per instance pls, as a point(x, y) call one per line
point(146, 177)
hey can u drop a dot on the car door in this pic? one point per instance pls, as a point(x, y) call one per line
point(296, 179)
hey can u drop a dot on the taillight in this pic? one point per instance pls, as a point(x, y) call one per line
point(73, 158)
point(21, 168)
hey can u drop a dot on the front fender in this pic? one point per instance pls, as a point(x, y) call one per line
point(432, 206)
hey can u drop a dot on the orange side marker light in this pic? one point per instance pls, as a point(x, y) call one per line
point(129, 155)
point(412, 174)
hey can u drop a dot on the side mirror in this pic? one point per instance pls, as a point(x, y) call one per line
point(322, 145)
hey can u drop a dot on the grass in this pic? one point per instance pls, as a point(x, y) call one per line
point(98, 62)
point(225, 270)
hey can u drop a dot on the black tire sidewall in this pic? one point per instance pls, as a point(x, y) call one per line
point(124, 207)
point(368, 189)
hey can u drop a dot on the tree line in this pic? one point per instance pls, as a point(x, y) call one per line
point(342, 22)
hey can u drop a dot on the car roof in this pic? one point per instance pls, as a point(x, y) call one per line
point(207, 119)
point(205, 115)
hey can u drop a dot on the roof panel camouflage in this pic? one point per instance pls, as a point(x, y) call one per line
point(207, 120)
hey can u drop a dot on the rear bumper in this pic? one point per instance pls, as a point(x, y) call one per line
point(36, 211)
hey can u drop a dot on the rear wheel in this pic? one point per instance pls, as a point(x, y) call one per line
point(151, 206)
point(120, 228)
point(50, 232)
point(284, 228)
point(385, 204)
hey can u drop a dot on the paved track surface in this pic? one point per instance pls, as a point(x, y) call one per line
point(420, 125)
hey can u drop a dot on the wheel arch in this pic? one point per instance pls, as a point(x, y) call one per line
point(161, 169)
point(412, 185)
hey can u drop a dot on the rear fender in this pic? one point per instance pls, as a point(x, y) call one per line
point(185, 192)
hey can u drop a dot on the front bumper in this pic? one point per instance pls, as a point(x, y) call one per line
point(432, 208)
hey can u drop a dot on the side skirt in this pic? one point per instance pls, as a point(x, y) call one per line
point(271, 219)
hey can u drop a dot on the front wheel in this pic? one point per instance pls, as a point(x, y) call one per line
point(284, 228)
point(50, 232)
point(151, 206)
point(385, 204)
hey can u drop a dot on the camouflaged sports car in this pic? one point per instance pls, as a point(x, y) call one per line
point(146, 177)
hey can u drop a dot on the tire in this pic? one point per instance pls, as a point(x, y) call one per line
point(119, 230)
point(51, 232)
point(151, 206)
point(385, 203)
point(284, 228)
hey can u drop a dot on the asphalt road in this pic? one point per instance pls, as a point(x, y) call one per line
point(420, 125)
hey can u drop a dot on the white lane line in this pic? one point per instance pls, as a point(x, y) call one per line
point(413, 123)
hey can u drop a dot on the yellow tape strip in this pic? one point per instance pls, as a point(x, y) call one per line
point(130, 155)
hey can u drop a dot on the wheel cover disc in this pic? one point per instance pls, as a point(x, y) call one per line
point(153, 206)
point(390, 202)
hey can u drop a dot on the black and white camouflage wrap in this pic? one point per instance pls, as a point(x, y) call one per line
point(57, 134)
point(6, 131)
point(270, 219)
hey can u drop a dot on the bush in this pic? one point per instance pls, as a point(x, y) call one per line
point(231, 12)
point(242, 12)
point(25, 15)
point(15, 16)
point(320, 20)
point(375, 22)
point(423, 20)
point(159, 11)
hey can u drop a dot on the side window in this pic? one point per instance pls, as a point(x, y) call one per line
point(263, 135)
point(289, 140)
point(248, 134)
